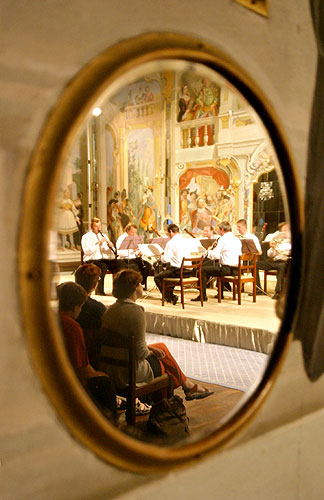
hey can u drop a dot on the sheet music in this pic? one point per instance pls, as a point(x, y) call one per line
point(151, 249)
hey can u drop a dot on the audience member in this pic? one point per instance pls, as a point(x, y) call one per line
point(88, 275)
point(125, 317)
point(71, 298)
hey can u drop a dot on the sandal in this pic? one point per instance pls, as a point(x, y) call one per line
point(120, 403)
point(195, 394)
point(142, 408)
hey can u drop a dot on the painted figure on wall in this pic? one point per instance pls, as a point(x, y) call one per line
point(80, 216)
point(199, 198)
point(207, 101)
point(202, 217)
point(67, 221)
point(148, 212)
point(114, 222)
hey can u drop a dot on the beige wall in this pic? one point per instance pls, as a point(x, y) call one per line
point(43, 44)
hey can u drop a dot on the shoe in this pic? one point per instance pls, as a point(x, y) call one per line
point(258, 292)
point(120, 403)
point(101, 293)
point(197, 299)
point(276, 296)
point(142, 408)
point(194, 394)
point(174, 299)
point(216, 296)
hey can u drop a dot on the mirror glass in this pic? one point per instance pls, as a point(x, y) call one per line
point(173, 141)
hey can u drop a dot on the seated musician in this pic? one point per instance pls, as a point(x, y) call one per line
point(98, 249)
point(221, 260)
point(175, 250)
point(208, 233)
point(278, 256)
point(132, 258)
point(244, 234)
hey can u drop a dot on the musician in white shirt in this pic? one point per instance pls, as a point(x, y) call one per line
point(223, 259)
point(244, 234)
point(98, 249)
point(278, 257)
point(132, 257)
point(175, 250)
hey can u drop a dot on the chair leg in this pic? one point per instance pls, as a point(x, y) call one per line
point(265, 281)
point(131, 410)
point(219, 286)
point(239, 291)
point(163, 292)
point(254, 290)
point(182, 298)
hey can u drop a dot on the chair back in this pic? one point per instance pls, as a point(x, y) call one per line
point(118, 350)
point(247, 263)
point(191, 263)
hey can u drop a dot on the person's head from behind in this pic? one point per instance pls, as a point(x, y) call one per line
point(87, 276)
point(173, 229)
point(126, 283)
point(71, 298)
point(224, 227)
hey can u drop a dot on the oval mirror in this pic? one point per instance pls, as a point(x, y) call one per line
point(162, 129)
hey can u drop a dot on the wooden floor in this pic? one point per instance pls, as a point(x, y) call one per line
point(204, 415)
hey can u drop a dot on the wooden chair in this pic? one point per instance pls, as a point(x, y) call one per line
point(192, 264)
point(271, 272)
point(120, 350)
point(246, 273)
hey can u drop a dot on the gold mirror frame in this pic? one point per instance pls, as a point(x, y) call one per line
point(47, 351)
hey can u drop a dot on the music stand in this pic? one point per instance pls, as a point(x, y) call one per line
point(160, 241)
point(248, 246)
point(207, 242)
point(131, 242)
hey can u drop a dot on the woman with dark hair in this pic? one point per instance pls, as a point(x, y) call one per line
point(125, 317)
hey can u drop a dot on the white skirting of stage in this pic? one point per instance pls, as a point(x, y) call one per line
point(200, 330)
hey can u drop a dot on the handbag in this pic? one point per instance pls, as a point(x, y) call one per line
point(168, 419)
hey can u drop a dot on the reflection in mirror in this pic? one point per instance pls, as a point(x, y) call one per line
point(171, 142)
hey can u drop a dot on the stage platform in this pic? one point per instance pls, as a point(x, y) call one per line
point(251, 326)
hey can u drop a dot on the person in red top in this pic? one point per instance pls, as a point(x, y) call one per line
point(71, 299)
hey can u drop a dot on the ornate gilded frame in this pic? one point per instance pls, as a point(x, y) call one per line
point(48, 355)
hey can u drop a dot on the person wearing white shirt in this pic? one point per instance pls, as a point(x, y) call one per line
point(98, 249)
point(244, 234)
point(175, 250)
point(132, 258)
point(223, 259)
point(278, 257)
